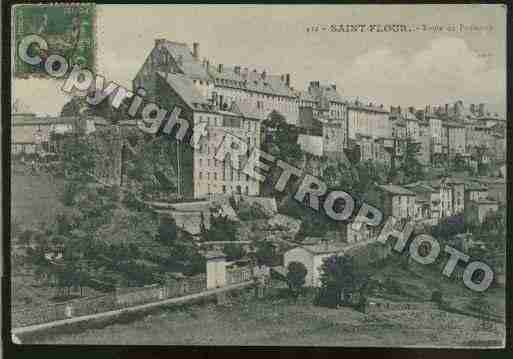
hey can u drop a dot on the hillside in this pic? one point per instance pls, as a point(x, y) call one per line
point(34, 197)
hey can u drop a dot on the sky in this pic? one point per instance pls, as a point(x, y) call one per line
point(390, 68)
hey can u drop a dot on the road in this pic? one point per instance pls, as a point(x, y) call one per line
point(113, 313)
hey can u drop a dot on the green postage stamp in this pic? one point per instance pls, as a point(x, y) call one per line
point(68, 28)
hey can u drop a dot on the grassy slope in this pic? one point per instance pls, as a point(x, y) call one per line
point(34, 198)
point(277, 320)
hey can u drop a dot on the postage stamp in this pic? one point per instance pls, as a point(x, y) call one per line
point(68, 28)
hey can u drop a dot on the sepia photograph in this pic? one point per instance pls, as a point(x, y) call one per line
point(256, 175)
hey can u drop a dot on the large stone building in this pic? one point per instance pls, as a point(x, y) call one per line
point(369, 132)
point(454, 138)
point(229, 100)
point(367, 120)
point(396, 201)
point(322, 123)
point(435, 130)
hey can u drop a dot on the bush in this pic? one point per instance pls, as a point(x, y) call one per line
point(133, 203)
point(436, 297)
point(393, 286)
point(70, 191)
point(234, 252)
point(296, 274)
point(251, 212)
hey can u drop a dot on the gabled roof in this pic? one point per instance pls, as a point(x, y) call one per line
point(420, 187)
point(486, 201)
point(453, 124)
point(399, 123)
point(185, 88)
point(358, 106)
point(326, 92)
point(188, 64)
point(396, 190)
point(409, 116)
point(306, 96)
point(250, 81)
point(475, 186)
point(248, 111)
point(323, 248)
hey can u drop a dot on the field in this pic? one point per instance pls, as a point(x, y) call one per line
point(279, 320)
point(34, 198)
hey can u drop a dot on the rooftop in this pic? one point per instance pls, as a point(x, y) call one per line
point(187, 63)
point(325, 248)
point(419, 187)
point(356, 105)
point(185, 88)
point(396, 190)
point(245, 79)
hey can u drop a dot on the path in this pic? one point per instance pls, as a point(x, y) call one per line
point(112, 313)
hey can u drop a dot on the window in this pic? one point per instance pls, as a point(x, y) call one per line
point(224, 189)
point(215, 176)
point(231, 122)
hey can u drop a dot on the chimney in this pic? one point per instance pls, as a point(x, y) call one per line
point(287, 80)
point(411, 109)
point(220, 68)
point(263, 75)
point(481, 109)
point(334, 86)
point(472, 108)
point(159, 42)
point(207, 64)
point(195, 50)
point(237, 70)
point(446, 109)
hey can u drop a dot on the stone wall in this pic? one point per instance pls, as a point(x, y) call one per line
point(374, 306)
point(121, 298)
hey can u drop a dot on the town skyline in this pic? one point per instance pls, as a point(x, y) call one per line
point(418, 70)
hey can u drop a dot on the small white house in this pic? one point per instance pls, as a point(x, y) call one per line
point(312, 257)
point(216, 269)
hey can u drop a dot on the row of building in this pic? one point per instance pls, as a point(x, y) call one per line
point(236, 100)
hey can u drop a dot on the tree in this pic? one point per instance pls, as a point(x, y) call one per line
point(264, 253)
point(459, 164)
point(410, 165)
point(234, 251)
point(340, 277)
point(280, 139)
point(78, 106)
point(222, 229)
point(167, 230)
point(296, 274)
point(340, 175)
